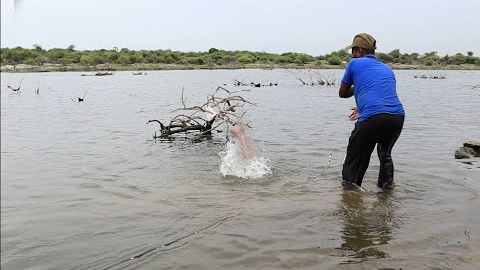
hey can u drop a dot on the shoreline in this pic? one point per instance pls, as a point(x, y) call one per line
point(22, 68)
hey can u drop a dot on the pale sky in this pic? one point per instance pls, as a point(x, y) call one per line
point(315, 27)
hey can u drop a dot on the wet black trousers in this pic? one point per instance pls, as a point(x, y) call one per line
point(382, 130)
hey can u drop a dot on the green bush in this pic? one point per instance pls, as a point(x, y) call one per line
point(335, 60)
point(459, 59)
point(29, 61)
point(430, 60)
point(386, 58)
point(37, 55)
point(245, 58)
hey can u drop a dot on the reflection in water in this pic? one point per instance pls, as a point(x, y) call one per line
point(368, 221)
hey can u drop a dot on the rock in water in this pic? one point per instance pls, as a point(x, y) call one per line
point(473, 144)
point(464, 152)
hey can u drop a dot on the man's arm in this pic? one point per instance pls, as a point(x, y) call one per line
point(345, 91)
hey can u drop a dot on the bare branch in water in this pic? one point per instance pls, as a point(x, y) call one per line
point(472, 86)
point(314, 77)
point(18, 88)
point(222, 108)
point(37, 89)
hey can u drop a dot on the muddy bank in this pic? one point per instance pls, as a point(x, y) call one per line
point(134, 67)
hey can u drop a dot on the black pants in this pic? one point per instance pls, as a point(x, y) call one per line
point(382, 130)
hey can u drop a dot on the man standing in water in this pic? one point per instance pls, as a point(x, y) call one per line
point(379, 113)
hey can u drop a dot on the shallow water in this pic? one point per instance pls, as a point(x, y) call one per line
point(84, 185)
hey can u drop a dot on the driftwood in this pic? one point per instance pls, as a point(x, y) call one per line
point(37, 89)
point(201, 120)
point(80, 99)
point(472, 86)
point(314, 77)
point(98, 74)
point(429, 77)
point(241, 83)
point(18, 88)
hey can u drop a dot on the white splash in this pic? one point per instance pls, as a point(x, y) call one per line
point(234, 163)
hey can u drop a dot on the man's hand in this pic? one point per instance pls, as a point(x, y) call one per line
point(354, 115)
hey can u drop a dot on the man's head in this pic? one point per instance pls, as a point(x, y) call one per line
point(362, 45)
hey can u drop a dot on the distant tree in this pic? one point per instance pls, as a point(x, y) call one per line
point(196, 60)
point(414, 56)
point(17, 55)
point(215, 57)
point(123, 59)
point(395, 54)
point(96, 58)
point(71, 47)
point(245, 58)
point(41, 59)
point(346, 56)
point(386, 58)
point(428, 61)
point(335, 60)
point(470, 53)
point(55, 54)
point(111, 56)
point(151, 58)
point(29, 61)
point(138, 57)
point(166, 59)
point(459, 59)
point(434, 53)
point(86, 60)
point(37, 47)
point(229, 59)
point(445, 59)
point(213, 50)
point(431, 59)
point(281, 59)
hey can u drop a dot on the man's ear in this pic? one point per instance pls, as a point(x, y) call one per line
point(363, 52)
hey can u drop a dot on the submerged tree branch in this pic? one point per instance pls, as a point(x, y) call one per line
point(222, 108)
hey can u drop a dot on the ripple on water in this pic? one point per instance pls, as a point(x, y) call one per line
point(292, 209)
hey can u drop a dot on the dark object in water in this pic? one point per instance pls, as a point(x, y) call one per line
point(18, 88)
point(98, 74)
point(103, 73)
point(14, 89)
point(469, 149)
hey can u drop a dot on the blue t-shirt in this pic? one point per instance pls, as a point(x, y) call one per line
point(374, 87)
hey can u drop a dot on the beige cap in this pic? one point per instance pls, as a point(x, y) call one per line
point(363, 40)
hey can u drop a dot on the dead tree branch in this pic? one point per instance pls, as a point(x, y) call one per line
point(315, 77)
point(222, 108)
point(18, 88)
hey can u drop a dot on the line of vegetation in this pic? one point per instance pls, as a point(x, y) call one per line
point(126, 59)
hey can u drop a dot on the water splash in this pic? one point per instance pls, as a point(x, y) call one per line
point(234, 163)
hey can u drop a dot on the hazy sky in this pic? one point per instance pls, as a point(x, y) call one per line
point(315, 27)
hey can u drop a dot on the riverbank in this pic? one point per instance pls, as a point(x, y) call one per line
point(147, 67)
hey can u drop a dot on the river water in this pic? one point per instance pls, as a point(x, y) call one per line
point(85, 186)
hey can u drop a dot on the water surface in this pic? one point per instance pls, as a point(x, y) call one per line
point(84, 185)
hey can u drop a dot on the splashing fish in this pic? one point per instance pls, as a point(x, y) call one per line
point(241, 158)
point(246, 146)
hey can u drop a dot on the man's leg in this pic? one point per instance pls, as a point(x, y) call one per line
point(392, 127)
point(359, 150)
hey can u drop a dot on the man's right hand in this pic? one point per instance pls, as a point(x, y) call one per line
point(354, 115)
